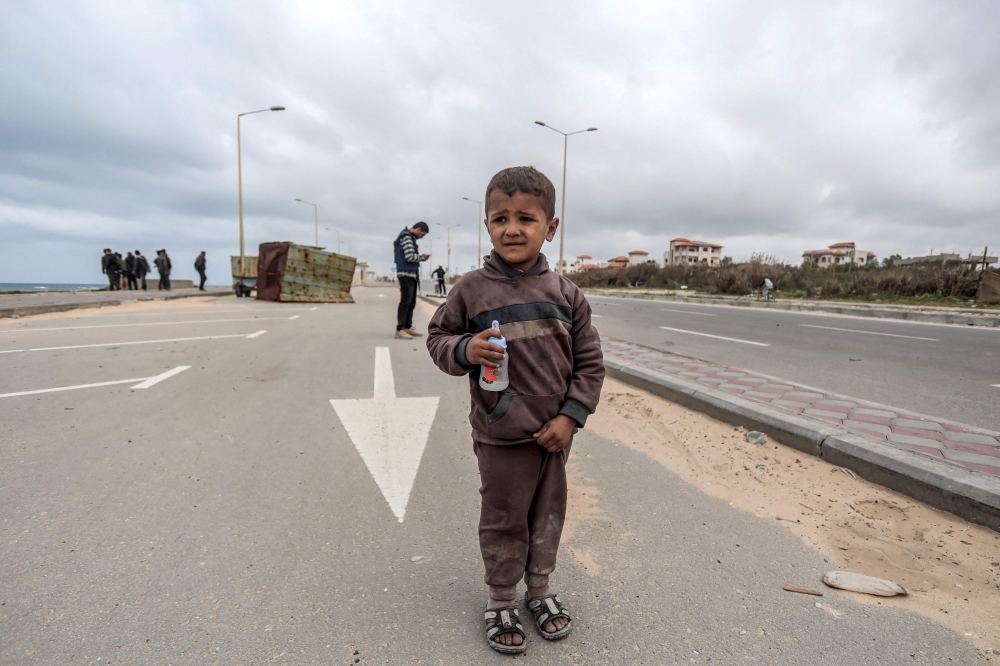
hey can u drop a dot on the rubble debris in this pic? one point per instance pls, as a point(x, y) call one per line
point(855, 582)
point(802, 590)
point(755, 437)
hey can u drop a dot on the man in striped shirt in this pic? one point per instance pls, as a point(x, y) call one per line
point(408, 261)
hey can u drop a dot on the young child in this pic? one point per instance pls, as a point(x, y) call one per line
point(522, 435)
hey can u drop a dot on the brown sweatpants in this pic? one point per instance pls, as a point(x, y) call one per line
point(521, 521)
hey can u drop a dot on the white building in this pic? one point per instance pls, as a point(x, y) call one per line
point(839, 253)
point(636, 257)
point(573, 265)
point(683, 251)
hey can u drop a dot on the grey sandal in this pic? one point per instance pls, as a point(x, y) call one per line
point(545, 609)
point(504, 621)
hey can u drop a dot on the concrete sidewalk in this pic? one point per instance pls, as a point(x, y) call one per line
point(61, 301)
point(948, 465)
point(919, 313)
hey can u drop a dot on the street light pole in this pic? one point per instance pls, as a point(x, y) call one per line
point(338, 237)
point(449, 227)
point(315, 217)
point(479, 224)
point(562, 215)
point(239, 171)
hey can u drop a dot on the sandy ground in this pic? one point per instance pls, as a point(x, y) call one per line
point(951, 567)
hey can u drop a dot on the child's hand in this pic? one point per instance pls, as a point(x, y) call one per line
point(555, 434)
point(481, 352)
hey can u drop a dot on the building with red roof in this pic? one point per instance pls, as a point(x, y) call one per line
point(839, 253)
point(683, 251)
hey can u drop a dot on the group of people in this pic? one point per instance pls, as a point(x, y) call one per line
point(125, 273)
point(130, 272)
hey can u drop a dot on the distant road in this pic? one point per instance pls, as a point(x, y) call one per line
point(948, 371)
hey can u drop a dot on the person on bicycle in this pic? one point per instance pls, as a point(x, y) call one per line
point(767, 288)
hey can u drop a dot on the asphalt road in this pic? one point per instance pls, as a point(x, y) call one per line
point(224, 516)
point(939, 370)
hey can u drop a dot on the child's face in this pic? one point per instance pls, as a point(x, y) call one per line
point(518, 226)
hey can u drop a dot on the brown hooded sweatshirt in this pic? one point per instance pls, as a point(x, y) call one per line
point(555, 361)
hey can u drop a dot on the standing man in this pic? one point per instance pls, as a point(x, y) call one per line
point(438, 275)
point(199, 265)
point(408, 273)
point(130, 272)
point(141, 268)
point(162, 262)
point(109, 266)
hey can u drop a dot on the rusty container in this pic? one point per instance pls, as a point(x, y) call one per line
point(303, 274)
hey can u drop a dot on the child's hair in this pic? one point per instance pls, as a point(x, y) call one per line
point(525, 179)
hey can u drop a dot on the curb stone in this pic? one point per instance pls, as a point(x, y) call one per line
point(966, 493)
point(28, 310)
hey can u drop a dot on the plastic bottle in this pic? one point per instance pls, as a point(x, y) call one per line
point(496, 379)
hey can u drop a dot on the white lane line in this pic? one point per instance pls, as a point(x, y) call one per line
point(295, 317)
point(256, 335)
point(598, 316)
point(148, 323)
point(167, 313)
point(152, 381)
point(854, 330)
point(995, 385)
point(314, 309)
point(144, 380)
point(12, 351)
point(703, 314)
point(145, 342)
point(717, 337)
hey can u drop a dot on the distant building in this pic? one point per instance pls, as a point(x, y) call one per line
point(636, 257)
point(618, 262)
point(683, 251)
point(573, 265)
point(973, 260)
point(588, 267)
point(839, 253)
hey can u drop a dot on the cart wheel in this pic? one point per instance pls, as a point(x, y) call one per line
point(239, 292)
point(246, 291)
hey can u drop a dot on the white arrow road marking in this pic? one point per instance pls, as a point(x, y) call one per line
point(146, 383)
point(390, 433)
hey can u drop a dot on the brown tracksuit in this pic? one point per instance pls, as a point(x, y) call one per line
point(555, 367)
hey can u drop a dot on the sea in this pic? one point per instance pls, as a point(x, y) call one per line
point(42, 287)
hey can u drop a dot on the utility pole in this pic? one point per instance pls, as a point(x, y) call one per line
point(449, 227)
point(562, 215)
point(479, 224)
point(315, 217)
point(239, 172)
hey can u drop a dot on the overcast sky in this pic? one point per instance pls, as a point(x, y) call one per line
point(768, 127)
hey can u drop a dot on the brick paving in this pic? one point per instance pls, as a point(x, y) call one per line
point(968, 447)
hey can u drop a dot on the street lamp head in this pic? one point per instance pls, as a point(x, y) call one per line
point(277, 108)
point(591, 129)
point(539, 122)
point(466, 199)
point(298, 199)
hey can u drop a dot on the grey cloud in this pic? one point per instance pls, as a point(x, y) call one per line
point(766, 126)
